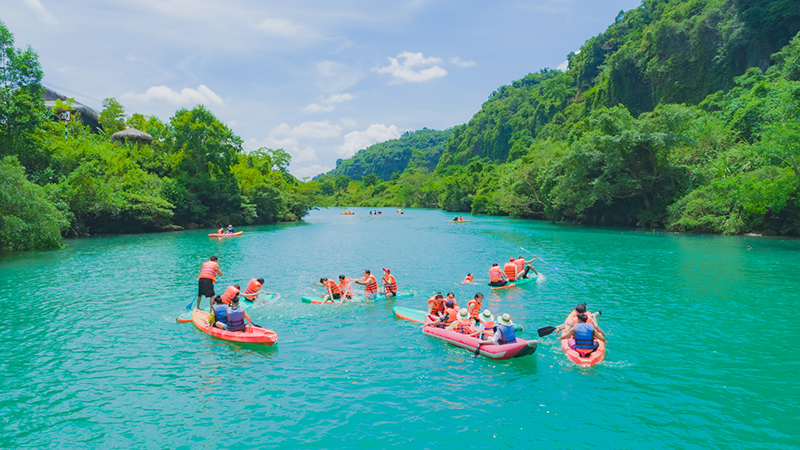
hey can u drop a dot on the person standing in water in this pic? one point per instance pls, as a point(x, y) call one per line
point(206, 279)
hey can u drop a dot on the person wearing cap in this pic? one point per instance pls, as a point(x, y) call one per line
point(206, 279)
point(436, 305)
point(474, 308)
point(486, 325)
point(461, 325)
point(219, 315)
point(585, 336)
point(449, 316)
point(390, 282)
point(370, 285)
point(236, 315)
point(522, 269)
point(496, 277)
point(345, 287)
point(504, 332)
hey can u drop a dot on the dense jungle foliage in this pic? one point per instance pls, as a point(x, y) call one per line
point(63, 180)
point(683, 114)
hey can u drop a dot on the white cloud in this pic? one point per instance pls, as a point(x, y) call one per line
point(318, 108)
point(339, 98)
point(326, 104)
point(289, 144)
point(307, 155)
point(281, 27)
point(348, 122)
point(357, 140)
point(40, 11)
point(186, 97)
point(313, 130)
point(310, 171)
point(461, 63)
point(402, 72)
point(563, 66)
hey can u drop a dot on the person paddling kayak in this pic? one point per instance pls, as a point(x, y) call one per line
point(584, 336)
point(496, 276)
point(206, 279)
point(370, 285)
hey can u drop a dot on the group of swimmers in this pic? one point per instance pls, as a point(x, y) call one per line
point(343, 290)
point(226, 312)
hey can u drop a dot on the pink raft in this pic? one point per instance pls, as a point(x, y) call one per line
point(507, 351)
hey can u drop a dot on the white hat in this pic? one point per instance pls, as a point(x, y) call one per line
point(463, 313)
point(505, 319)
point(487, 316)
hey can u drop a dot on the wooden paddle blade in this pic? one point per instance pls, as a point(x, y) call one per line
point(546, 330)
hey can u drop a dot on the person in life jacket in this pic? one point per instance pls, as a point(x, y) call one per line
point(461, 324)
point(584, 336)
point(522, 269)
point(510, 270)
point(236, 316)
point(486, 326)
point(221, 231)
point(451, 297)
point(345, 287)
point(253, 288)
point(390, 282)
point(572, 318)
point(370, 285)
point(230, 229)
point(333, 290)
point(474, 308)
point(436, 306)
point(504, 332)
point(467, 279)
point(449, 316)
point(232, 291)
point(205, 281)
point(219, 313)
point(496, 277)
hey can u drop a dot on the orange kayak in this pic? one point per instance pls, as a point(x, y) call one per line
point(251, 335)
point(590, 360)
point(238, 233)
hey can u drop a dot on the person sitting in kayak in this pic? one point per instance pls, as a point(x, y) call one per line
point(221, 231)
point(585, 336)
point(232, 291)
point(461, 325)
point(370, 285)
point(230, 229)
point(455, 219)
point(236, 315)
point(219, 313)
point(572, 318)
point(206, 279)
point(486, 326)
point(345, 287)
point(522, 269)
point(474, 308)
point(390, 282)
point(504, 332)
point(253, 288)
point(467, 279)
point(496, 276)
point(461, 218)
point(332, 288)
point(436, 306)
point(449, 316)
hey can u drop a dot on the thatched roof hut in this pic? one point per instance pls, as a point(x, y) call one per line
point(132, 135)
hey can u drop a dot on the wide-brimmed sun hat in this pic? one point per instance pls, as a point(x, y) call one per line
point(486, 316)
point(505, 319)
point(463, 314)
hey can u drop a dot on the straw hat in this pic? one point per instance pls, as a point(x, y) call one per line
point(486, 316)
point(463, 314)
point(505, 319)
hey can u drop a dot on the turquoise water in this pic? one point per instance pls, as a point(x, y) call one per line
point(702, 341)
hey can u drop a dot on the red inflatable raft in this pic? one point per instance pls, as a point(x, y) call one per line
point(507, 351)
point(252, 335)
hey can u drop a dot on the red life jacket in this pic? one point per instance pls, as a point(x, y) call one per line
point(332, 285)
point(494, 274)
point(209, 270)
point(511, 271)
point(229, 294)
point(252, 288)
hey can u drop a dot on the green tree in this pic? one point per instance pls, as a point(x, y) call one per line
point(112, 118)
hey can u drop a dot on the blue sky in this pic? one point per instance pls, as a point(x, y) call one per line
point(320, 79)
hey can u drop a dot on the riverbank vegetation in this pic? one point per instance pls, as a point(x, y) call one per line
point(682, 114)
point(60, 179)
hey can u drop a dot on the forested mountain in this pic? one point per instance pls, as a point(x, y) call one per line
point(62, 179)
point(682, 114)
point(420, 148)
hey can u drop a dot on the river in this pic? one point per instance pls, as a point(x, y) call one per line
point(701, 351)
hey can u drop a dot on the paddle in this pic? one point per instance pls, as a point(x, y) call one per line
point(548, 330)
point(540, 259)
point(189, 306)
point(477, 351)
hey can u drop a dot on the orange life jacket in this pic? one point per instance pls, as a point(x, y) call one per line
point(494, 274)
point(209, 270)
point(252, 288)
point(488, 329)
point(332, 285)
point(391, 284)
point(463, 327)
point(474, 308)
point(511, 271)
point(372, 285)
point(345, 286)
point(468, 279)
point(572, 318)
point(520, 264)
point(229, 294)
point(452, 316)
point(438, 306)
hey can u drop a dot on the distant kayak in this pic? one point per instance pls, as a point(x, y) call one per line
point(251, 335)
point(217, 235)
point(458, 221)
point(348, 213)
point(500, 352)
point(415, 315)
point(246, 304)
point(517, 283)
